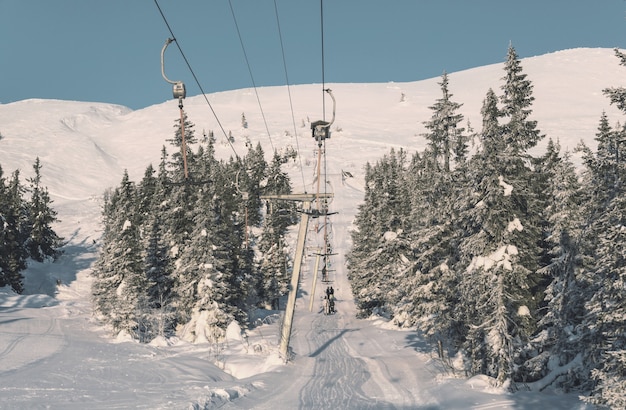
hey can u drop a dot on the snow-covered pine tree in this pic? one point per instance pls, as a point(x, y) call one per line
point(501, 231)
point(605, 318)
point(203, 270)
point(528, 196)
point(521, 133)
point(15, 232)
point(558, 338)
point(275, 262)
point(617, 95)
point(120, 283)
point(365, 238)
point(435, 191)
point(177, 165)
point(378, 259)
point(43, 242)
point(211, 277)
point(158, 316)
point(231, 235)
point(10, 271)
point(250, 177)
point(444, 135)
point(178, 212)
point(4, 278)
point(606, 310)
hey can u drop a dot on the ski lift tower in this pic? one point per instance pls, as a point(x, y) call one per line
point(321, 132)
point(306, 199)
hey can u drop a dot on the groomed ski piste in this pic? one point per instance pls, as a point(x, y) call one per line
point(54, 354)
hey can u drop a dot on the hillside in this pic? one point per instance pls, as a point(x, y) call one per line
point(84, 149)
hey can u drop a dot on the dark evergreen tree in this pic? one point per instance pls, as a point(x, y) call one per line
point(249, 178)
point(275, 262)
point(435, 186)
point(502, 229)
point(158, 315)
point(120, 282)
point(43, 241)
point(445, 136)
point(203, 282)
point(521, 133)
point(15, 232)
point(617, 95)
point(231, 233)
point(182, 161)
point(378, 258)
point(25, 227)
point(604, 265)
point(558, 339)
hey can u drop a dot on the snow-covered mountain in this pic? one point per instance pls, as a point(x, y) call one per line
point(59, 356)
point(84, 147)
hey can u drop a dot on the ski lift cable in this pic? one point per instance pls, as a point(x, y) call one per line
point(245, 55)
point(293, 119)
point(322, 145)
point(206, 99)
point(323, 62)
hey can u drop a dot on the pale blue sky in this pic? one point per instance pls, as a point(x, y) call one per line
point(109, 50)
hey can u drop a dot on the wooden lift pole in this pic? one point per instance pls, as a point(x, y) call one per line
point(317, 265)
point(285, 335)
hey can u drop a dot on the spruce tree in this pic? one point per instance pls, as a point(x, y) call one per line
point(182, 160)
point(445, 136)
point(15, 232)
point(158, 312)
point(501, 225)
point(43, 241)
point(377, 259)
point(605, 265)
point(521, 132)
point(275, 262)
point(617, 95)
point(120, 283)
point(559, 333)
point(435, 191)
point(202, 279)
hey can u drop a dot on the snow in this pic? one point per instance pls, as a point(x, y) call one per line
point(523, 311)
point(390, 236)
point(515, 225)
point(500, 258)
point(507, 188)
point(55, 354)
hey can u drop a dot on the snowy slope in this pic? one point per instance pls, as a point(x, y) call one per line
point(53, 354)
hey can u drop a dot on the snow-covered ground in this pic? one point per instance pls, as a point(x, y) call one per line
point(53, 354)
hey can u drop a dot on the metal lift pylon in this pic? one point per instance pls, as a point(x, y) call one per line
point(306, 200)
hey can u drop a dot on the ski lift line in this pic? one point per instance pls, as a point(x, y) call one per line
point(193, 74)
point(327, 126)
point(245, 55)
point(323, 62)
point(293, 119)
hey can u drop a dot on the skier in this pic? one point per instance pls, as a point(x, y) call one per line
point(330, 295)
point(326, 305)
